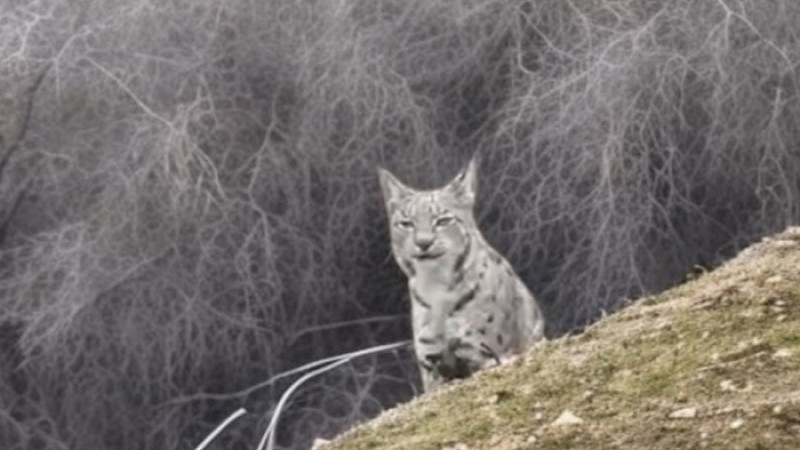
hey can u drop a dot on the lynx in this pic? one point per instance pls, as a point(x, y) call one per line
point(469, 309)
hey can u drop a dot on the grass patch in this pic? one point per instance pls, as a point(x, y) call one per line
point(710, 364)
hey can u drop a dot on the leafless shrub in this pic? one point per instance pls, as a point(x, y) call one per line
point(191, 206)
point(644, 137)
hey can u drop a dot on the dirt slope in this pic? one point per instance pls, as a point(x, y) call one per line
point(713, 364)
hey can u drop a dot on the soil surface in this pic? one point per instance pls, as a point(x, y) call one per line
point(711, 364)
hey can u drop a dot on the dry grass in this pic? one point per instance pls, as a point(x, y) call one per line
point(724, 346)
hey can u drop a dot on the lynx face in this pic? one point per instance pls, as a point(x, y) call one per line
point(430, 228)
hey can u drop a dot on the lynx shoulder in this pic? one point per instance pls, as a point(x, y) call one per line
point(469, 309)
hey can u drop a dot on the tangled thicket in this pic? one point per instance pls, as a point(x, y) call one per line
point(189, 202)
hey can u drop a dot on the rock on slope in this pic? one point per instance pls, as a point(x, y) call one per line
point(713, 363)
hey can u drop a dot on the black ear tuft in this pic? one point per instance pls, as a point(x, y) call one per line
point(465, 184)
point(393, 190)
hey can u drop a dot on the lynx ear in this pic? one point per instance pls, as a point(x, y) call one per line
point(465, 184)
point(393, 190)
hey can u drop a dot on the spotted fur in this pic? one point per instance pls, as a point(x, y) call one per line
point(469, 309)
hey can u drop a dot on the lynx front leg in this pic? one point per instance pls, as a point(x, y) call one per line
point(431, 380)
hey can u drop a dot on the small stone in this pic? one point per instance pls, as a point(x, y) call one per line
point(663, 324)
point(777, 410)
point(588, 395)
point(736, 424)
point(319, 443)
point(531, 439)
point(750, 312)
point(780, 303)
point(774, 279)
point(459, 446)
point(782, 353)
point(538, 416)
point(568, 418)
point(728, 386)
point(782, 243)
point(724, 410)
point(781, 318)
point(684, 413)
point(745, 345)
point(500, 396)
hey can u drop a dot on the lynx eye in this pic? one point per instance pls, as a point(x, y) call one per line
point(404, 224)
point(443, 221)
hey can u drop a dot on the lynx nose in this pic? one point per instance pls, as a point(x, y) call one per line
point(423, 241)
